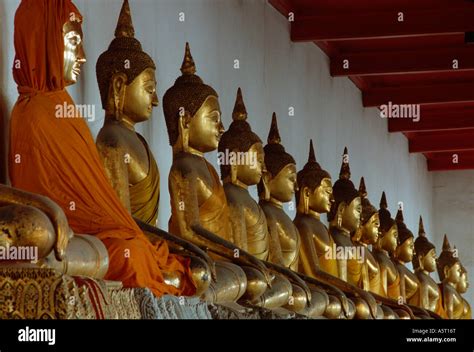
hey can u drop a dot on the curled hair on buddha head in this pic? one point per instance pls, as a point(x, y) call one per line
point(386, 221)
point(124, 55)
point(403, 232)
point(344, 190)
point(447, 258)
point(422, 245)
point(368, 210)
point(276, 158)
point(312, 174)
point(188, 92)
point(239, 137)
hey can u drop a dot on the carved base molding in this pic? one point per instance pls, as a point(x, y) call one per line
point(34, 293)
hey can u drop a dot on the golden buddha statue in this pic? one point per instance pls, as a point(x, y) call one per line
point(450, 272)
point(313, 198)
point(409, 284)
point(367, 234)
point(199, 209)
point(344, 219)
point(462, 287)
point(128, 94)
point(428, 295)
point(242, 166)
point(278, 186)
point(384, 248)
point(31, 221)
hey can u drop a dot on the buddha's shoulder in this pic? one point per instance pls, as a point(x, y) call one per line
point(188, 165)
point(112, 136)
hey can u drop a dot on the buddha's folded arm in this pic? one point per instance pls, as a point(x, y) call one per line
point(113, 158)
point(12, 196)
point(276, 255)
point(237, 219)
point(177, 245)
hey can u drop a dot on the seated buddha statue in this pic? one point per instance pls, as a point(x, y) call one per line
point(199, 209)
point(276, 188)
point(313, 198)
point(29, 220)
point(128, 94)
point(242, 166)
point(409, 284)
point(449, 271)
point(53, 153)
point(367, 234)
point(428, 296)
point(344, 219)
point(462, 287)
point(384, 248)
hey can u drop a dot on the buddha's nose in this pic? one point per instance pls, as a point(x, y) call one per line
point(81, 55)
point(155, 100)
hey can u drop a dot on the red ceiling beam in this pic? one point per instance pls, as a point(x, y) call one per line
point(423, 60)
point(282, 6)
point(349, 26)
point(451, 161)
point(455, 120)
point(449, 142)
point(430, 94)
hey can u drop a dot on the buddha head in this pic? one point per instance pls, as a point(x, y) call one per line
point(346, 209)
point(74, 55)
point(406, 240)
point(241, 151)
point(279, 180)
point(315, 186)
point(126, 75)
point(369, 218)
point(388, 236)
point(48, 42)
point(192, 111)
point(425, 252)
point(463, 283)
point(449, 266)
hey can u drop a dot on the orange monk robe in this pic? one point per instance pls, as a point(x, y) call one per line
point(57, 157)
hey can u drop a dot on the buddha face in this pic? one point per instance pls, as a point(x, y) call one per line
point(405, 250)
point(463, 283)
point(140, 97)
point(428, 261)
point(74, 55)
point(321, 199)
point(250, 173)
point(351, 215)
point(205, 127)
point(283, 186)
point(370, 230)
point(453, 274)
point(389, 239)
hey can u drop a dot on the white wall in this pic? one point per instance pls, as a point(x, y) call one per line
point(453, 203)
point(274, 74)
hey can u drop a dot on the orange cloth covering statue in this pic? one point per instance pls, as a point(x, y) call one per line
point(57, 157)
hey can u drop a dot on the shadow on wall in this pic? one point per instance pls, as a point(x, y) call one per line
point(3, 105)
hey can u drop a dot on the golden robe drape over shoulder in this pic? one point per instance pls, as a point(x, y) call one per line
point(57, 157)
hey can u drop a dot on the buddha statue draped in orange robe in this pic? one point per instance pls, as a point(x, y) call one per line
point(57, 157)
